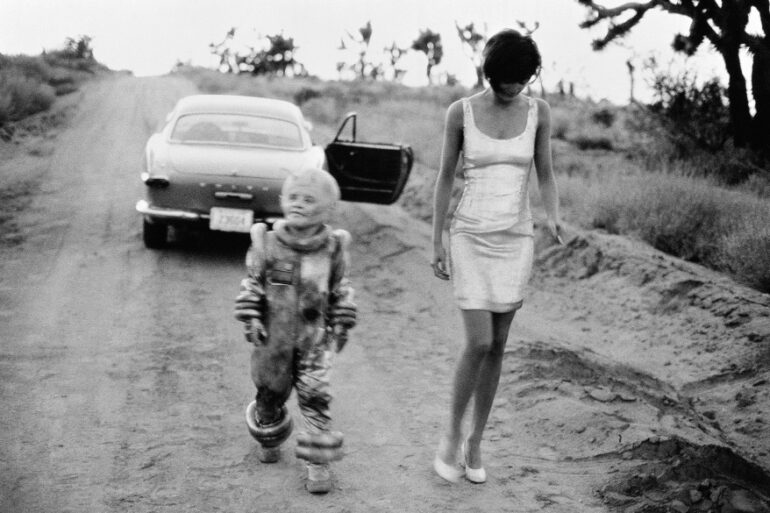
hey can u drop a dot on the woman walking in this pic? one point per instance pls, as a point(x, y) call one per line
point(500, 133)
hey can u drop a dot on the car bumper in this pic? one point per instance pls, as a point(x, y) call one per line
point(173, 214)
point(169, 214)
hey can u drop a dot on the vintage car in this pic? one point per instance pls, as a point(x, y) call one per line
point(219, 161)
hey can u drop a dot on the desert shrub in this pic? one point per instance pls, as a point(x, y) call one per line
point(589, 125)
point(586, 142)
point(567, 161)
point(34, 68)
point(21, 96)
point(687, 125)
point(690, 218)
point(305, 94)
point(695, 114)
point(29, 84)
point(561, 124)
point(745, 251)
point(673, 214)
point(758, 183)
point(604, 116)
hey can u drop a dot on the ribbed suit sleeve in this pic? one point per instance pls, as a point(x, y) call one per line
point(250, 303)
point(342, 309)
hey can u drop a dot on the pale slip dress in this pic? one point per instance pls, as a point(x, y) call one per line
point(491, 241)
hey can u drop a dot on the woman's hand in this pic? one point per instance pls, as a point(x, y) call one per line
point(439, 263)
point(554, 228)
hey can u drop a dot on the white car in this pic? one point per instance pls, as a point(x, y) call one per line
point(219, 162)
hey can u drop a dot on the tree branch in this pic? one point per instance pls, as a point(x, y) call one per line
point(708, 31)
point(616, 31)
point(600, 13)
point(686, 8)
point(610, 12)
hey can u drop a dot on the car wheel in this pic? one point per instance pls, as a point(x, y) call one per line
point(154, 234)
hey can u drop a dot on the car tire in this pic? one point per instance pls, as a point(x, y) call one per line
point(154, 234)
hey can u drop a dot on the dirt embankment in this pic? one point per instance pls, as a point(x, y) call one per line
point(696, 347)
point(632, 382)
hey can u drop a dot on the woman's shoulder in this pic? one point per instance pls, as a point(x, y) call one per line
point(454, 112)
point(542, 105)
point(476, 99)
point(543, 109)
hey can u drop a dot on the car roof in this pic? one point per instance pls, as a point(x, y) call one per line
point(236, 104)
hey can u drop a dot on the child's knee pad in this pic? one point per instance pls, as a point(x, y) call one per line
point(269, 435)
point(319, 447)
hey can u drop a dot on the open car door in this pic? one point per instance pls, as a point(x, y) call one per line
point(368, 172)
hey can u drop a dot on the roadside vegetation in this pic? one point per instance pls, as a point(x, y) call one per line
point(30, 84)
point(626, 170)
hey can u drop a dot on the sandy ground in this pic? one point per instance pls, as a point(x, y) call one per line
point(632, 382)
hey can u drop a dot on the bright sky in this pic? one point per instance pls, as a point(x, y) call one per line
point(149, 36)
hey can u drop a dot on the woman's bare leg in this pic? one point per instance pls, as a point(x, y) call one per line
point(486, 385)
point(478, 341)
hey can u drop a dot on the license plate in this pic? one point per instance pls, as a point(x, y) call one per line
point(231, 219)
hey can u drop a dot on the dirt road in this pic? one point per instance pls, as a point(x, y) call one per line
point(124, 375)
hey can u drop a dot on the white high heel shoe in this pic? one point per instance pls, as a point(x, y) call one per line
point(451, 473)
point(474, 475)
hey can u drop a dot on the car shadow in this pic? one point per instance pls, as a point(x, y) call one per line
point(213, 246)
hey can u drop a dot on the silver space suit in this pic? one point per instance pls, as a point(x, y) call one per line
point(297, 306)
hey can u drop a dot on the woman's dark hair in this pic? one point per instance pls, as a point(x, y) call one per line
point(510, 57)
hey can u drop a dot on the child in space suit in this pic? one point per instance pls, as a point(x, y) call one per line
point(297, 306)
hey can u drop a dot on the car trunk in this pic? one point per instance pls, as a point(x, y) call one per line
point(235, 161)
point(226, 177)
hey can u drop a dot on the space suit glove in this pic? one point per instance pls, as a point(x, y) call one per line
point(255, 332)
point(339, 337)
point(247, 307)
point(344, 315)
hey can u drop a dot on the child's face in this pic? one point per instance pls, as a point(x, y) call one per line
point(304, 206)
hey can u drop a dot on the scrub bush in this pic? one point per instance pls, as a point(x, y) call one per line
point(22, 96)
point(692, 219)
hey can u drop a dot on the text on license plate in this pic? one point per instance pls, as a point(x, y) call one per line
point(231, 219)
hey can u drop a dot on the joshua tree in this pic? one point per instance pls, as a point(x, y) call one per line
point(631, 68)
point(724, 25)
point(473, 43)
point(222, 50)
point(275, 58)
point(429, 43)
point(280, 55)
point(361, 67)
point(79, 48)
point(394, 55)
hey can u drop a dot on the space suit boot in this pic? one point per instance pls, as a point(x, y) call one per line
point(319, 479)
point(270, 436)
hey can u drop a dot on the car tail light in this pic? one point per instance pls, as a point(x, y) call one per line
point(157, 181)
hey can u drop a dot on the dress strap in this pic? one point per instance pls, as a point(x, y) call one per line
point(467, 113)
point(532, 111)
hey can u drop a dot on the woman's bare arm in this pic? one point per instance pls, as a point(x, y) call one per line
point(450, 152)
point(544, 166)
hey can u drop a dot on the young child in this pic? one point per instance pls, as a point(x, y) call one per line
point(297, 306)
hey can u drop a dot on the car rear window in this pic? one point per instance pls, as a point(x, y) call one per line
point(238, 130)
